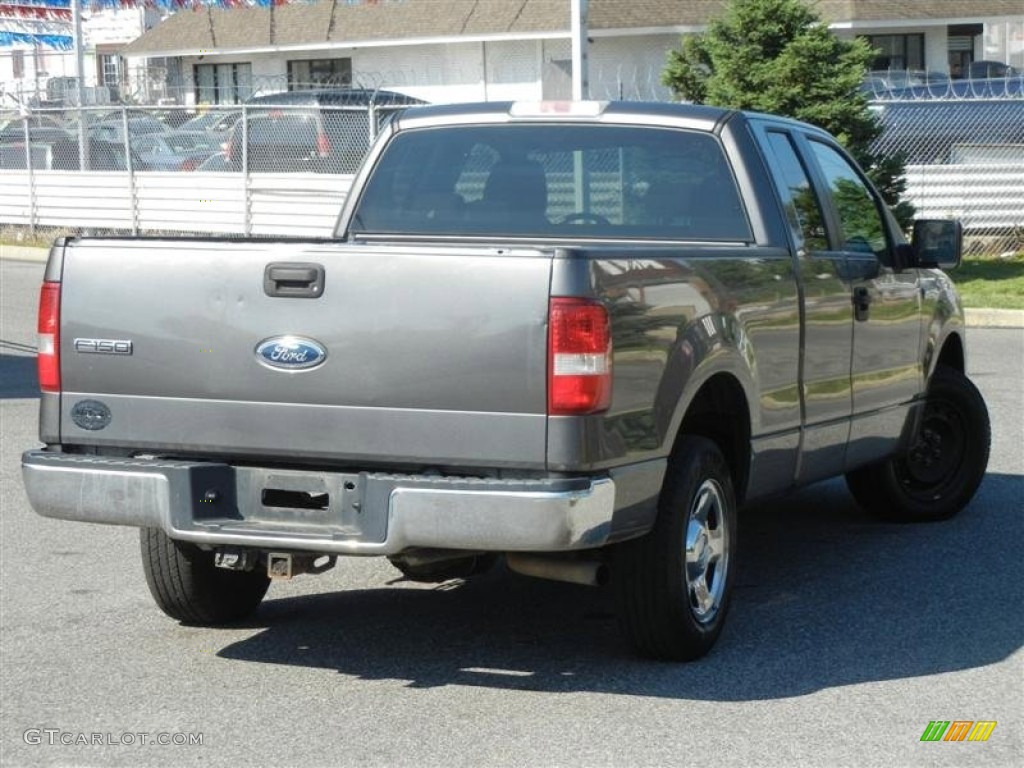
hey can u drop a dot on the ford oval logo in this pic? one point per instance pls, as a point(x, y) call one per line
point(290, 353)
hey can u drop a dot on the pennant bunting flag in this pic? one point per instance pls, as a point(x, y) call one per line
point(60, 42)
point(47, 22)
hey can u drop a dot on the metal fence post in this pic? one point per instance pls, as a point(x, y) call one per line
point(132, 198)
point(32, 214)
point(246, 204)
point(372, 117)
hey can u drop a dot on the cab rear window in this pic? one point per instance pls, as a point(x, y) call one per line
point(554, 180)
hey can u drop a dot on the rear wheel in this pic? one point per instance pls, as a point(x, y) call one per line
point(944, 466)
point(673, 585)
point(187, 586)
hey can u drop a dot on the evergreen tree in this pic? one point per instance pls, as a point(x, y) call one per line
point(777, 56)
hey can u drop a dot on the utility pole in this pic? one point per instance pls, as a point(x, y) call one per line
point(580, 65)
point(83, 129)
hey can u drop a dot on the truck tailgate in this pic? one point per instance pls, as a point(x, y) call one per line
point(432, 355)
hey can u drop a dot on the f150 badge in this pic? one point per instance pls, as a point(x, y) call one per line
point(290, 353)
point(104, 346)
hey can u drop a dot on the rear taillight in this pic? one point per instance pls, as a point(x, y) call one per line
point(48, 360)
point(323, 145)
point(579, 357)
point(189, 165)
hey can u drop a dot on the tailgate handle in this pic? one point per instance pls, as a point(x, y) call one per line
point(293, 281)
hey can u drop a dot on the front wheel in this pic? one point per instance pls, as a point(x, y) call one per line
point(187, 586)
point(672, 586)
point(944, 466)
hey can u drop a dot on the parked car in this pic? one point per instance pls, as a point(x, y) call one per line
point(882, 80)
point(216, 163)
point(217, 122)
point(981, 70)
point(1010, 84)
point(112, 129)
point(62, 153)
point(14, 128)
point(323, 131)
point(175, 150)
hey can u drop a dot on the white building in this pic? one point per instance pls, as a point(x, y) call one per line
point(459, 50)
point(26, 69)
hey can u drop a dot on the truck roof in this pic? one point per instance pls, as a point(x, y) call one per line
point(695, 116)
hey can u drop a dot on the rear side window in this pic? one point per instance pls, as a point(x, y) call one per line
point(554, 180)
point(802, 206)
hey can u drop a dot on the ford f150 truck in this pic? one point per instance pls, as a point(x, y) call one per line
point(575, 335)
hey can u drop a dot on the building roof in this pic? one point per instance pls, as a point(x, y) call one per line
point(916, 10)
point(209, 30)
point(337, 23)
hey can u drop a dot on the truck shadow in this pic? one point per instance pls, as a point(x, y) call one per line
point(825, 597)
point(17, 373)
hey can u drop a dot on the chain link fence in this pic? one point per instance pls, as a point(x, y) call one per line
point(277, 166)
point(262, 167)
point(964, 159)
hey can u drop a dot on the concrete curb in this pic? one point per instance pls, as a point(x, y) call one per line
point(975, 318)
point(994, 318)
point(23, 253)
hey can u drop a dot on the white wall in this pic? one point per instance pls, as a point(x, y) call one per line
point(1004, 41)
point(513, 71)
point(435, 73)
point(630, 67)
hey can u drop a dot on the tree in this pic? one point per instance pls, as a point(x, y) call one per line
point(777, 56)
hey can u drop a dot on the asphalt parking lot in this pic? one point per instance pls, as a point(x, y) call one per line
point(846, 638)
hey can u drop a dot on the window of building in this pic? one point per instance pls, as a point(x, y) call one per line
point(897, 52)
point(18, 63)
point(110, 65)
point(110, 73)
point(223, 83)
point(304, 74)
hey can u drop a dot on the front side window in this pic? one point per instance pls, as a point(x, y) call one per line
point(555, 180)
point(860, 219)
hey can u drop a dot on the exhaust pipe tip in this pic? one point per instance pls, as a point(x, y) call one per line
point(590, 573)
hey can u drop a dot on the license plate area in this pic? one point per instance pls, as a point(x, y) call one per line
point(297, 502)
point(279, 497)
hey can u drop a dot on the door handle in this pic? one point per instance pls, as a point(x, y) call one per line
point(861, 303)
point(284, 279)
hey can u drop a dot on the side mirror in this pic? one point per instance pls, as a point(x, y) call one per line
point(937, 243)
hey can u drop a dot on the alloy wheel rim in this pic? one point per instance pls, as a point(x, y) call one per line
point(707, 552)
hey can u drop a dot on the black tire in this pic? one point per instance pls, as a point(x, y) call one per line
point(939, 474)
point(656, 593)
point(187, 586)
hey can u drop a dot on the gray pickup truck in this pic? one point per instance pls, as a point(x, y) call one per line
point(578, 336)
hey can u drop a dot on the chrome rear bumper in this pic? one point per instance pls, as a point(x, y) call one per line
point(327, 512)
